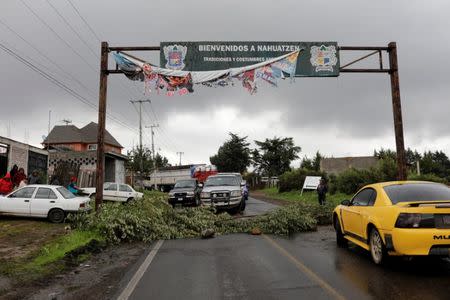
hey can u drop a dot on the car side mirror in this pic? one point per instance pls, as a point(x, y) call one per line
point(242, 183)
point(345, 202)
point(200, 185)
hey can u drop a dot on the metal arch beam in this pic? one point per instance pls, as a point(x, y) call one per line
point(395, 90)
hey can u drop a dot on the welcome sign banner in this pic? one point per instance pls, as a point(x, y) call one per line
point(316, 59)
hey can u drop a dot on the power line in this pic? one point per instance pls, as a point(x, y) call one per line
point(44, 55)
point(63, 71)
point(58, 36)
point(84, 20)
point(60, 84)
point(72, 29)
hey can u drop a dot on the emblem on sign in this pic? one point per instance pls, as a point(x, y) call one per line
point(323, 58)
point(175, 55)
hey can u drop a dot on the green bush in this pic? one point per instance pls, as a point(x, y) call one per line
point(427, 177)
point(293, 180)
point(151, 218)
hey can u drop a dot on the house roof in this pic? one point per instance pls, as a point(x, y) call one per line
point(62, 134)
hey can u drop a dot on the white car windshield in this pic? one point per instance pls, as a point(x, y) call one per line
point(185, 184)
point(222, 181)
point(65, 193)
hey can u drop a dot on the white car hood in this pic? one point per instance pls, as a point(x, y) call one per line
point(221, 188)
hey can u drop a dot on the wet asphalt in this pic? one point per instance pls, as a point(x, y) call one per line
point(304, 266)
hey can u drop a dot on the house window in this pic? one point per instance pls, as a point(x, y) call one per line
point(92, 147)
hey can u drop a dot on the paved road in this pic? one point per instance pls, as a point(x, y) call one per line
point(258, 207)
point(306, 266)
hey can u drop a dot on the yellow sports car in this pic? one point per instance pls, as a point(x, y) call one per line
point(396, 218)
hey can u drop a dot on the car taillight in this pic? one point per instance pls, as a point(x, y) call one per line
point(82, 205)
point(412, 220)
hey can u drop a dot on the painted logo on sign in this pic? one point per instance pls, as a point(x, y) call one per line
point(323, 58)
point(175, 56)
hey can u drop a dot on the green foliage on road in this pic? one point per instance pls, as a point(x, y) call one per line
point(152, 218)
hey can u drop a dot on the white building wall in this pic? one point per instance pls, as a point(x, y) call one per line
point(120, 171)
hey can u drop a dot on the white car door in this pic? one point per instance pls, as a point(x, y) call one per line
point(110, 192)
point(125, 192)
point(44, 199)
point(18, 203)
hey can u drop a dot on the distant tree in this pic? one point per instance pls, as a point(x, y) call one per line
point(385, 153)
point(307, 163)
point(274, 156)
point(233, 155)
point(312, 164)
point(412, 156)
point(134, 160)
point(161, 161)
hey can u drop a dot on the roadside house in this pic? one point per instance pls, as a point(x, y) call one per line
point(25, 156)
point(75, 149)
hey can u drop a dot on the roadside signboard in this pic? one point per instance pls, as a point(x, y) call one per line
point(316, 59)
point(311, 183)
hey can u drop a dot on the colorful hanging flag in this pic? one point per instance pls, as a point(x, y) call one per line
point(181, 82)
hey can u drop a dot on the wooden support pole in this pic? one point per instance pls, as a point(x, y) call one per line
point(397, 110)
point(100, 173)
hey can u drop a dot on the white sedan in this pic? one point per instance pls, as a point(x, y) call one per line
point(42, 201)
point(115, 192)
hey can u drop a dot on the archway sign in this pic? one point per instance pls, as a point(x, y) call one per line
point(219, 64)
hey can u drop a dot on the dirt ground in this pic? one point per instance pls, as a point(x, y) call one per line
point(20, 237)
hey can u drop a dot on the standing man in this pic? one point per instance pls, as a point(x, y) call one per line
point(322, 190)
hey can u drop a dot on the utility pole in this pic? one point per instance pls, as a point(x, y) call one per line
point(153, 147)
point(141, 163)
point(397, 110)
point(180, 153)
point(99, 175)
point(49, 121)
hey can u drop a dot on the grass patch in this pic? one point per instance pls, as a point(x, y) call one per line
point(56, 250)
point(49, 259)
point(307, 197)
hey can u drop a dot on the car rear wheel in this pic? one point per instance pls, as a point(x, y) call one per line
point(377, 248)
point(56, 215)
point(340, 239)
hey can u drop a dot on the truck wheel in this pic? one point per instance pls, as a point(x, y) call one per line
point(197, 201)
point(242, 206)
point(56, 215)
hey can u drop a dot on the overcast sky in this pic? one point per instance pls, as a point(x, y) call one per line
point(345, 116)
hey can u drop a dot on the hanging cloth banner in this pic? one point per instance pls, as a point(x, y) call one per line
point(181, 82)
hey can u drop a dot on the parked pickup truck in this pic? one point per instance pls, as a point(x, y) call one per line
point(223, 192)
point(185, 192)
